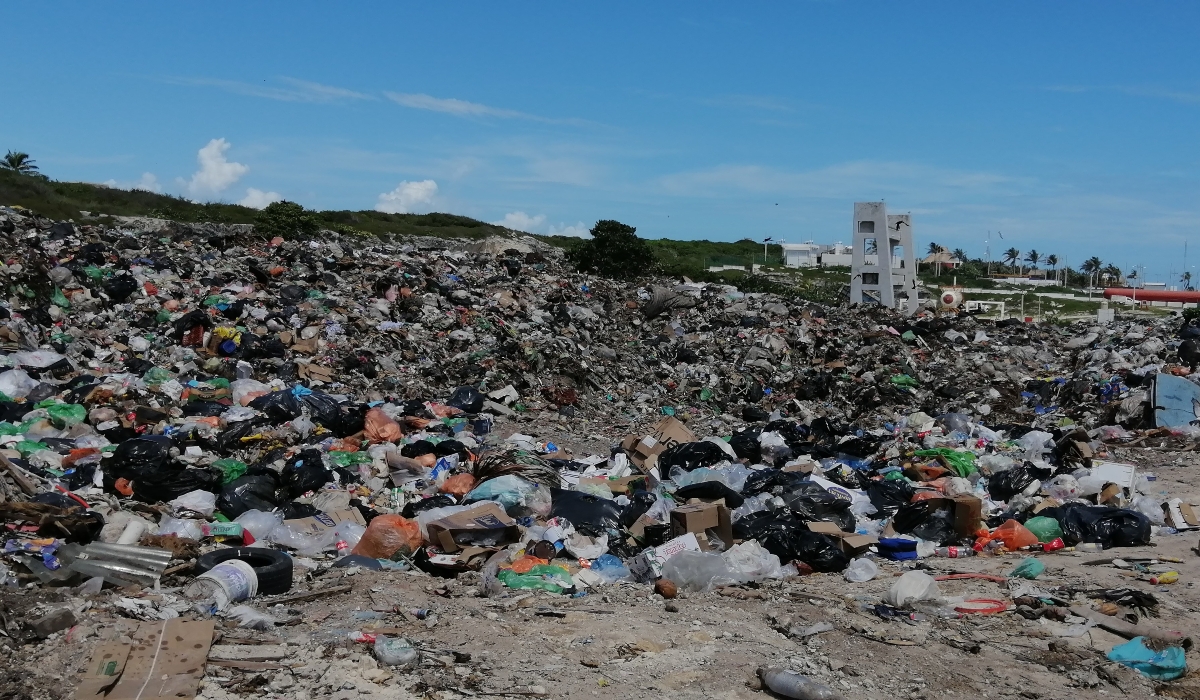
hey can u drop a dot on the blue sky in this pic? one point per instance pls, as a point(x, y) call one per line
point(1071, 127)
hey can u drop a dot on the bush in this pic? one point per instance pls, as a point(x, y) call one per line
point(614, 250)
point(286, 219)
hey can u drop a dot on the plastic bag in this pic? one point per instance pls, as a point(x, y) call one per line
point(280, 406)
point(745, 444)
point(201, 503)
point(387, 535)
point(303, 473)
point(1036, 443)
point(589, 514)
point(546, 577)
point(750, 561)
point(458, 485)
point(690, 455)
point(16, 383)
point(1111, 527)
point(788, 538)
point(1062, 488)
point(1150, 507)
point(258, 523)
point(180, 527)
point(1014, 535)
point(379, 428)
point(912, 587)
point(1165, 665)
point(468, 399)
point(710, 491)
point(812, 501)
point(773, 447)
point(64, 415)
point(699, 571)
point(888, 496)
point(610, 568)
point(1045, 529)
point(926, 520)
point(250, 492)
point(1006, 484)
point(511, 491)
point(231, 469)
point(1030, 568)
point(861, 570)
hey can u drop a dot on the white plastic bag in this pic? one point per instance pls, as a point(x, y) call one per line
point(180, 527)
point(259, 523)
point(750, 561)
point(16, 383)
point(197, 502)
point(861, 570)
point(912, 587)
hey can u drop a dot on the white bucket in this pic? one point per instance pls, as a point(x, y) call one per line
point(228, 582)
point(132, 534)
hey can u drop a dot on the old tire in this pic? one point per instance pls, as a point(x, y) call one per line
point(273, 568)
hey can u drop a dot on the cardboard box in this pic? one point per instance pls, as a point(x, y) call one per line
point(648, 565)
point(323, 522)
point(697, 518)
point(1180, 515)
point(667, 433)
point(485, 525)
point(850, 543)
point(165, 662)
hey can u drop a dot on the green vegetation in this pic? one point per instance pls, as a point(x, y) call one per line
point(286, 219)
point(614, 250)
point(18, 162)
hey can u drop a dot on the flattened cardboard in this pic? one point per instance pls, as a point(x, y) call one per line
point(850, 543)
point(648, 565)
point(1180, 515)
point(318, 524)
point(667, 433)
point(487, 520)
point(165, 662)
point(697, 518)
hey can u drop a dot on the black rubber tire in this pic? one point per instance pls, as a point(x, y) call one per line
point(273, 568)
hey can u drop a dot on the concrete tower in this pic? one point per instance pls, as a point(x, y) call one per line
point(883, 266)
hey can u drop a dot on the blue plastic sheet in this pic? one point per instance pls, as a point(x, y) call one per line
point(1164, 665)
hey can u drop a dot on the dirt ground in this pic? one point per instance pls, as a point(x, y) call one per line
point(624, 641)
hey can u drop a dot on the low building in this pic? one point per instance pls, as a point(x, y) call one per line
point(805, 254)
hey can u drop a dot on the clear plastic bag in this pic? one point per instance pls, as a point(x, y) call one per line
point(750, 561)
point(861, 570)
point(259, 523)
point(198, 502)
point(182, 528)
point(699, 571)
point(912, 587)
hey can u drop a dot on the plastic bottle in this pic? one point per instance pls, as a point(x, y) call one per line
point(954, 552)
point(1165, 577)
point(793, 685)
point(1089, 547)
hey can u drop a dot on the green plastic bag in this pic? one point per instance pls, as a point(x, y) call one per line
point(1029, 568)
point(64, 415)
point(7, 428)
point(156, 375)
point(28, 447)
point(962, 463)
point(230, 469)
point(546, 577)
point(60, 300)
point(903, 380)
point(1046, 529)
point(5, 398)
point(347, 459)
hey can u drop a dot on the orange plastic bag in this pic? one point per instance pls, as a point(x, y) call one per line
point(527, 562)
point(1014, 535)
point(379, 428)
point(388, 535)
point(458, 485)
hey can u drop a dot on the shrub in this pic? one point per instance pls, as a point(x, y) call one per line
point(286, 219)
point(614, 250)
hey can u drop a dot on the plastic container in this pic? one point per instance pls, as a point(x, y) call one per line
point(230, 581)
point(396, 651)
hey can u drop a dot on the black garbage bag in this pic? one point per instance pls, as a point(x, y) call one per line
point(1111, 527)
point(745, 444)
point(120, 287)
point(139, 456)
point(925, 519)
point(690, 455)
point(1008, 483)
point(323, 409)
point(770, 481)
point(303, 473)
point(249, 492)
point(418, 448)
point(231, 439)
point(188, 321)
point(639, 502)
point(204, 408)
point(280, 406)
point(441, 500)
point(466, 398)
point(169, 484)
point(292, 294)
point(294, 511)
point(592, 515)
point(788, 538)
point(888, 496)
point(810, 501)
point(711, 490)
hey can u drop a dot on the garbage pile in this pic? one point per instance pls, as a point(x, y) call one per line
point(197, 408)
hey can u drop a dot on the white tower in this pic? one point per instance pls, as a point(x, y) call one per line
point(891, 277)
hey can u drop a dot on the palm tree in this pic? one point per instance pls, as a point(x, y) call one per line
point(1114, 273)
point(934, 248)
point(1092, 264)
point(960, 254)
point(1052, 261)
point(19, 162)
point(1012, 255)
point(1186, 278)
point(1033, 258)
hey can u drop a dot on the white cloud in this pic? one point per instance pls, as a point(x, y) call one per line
point(257, 199)
point(216, 173)
point(463, 108)
point(407, 196)
point(299, 90)
point(520, 221)
point(579, 230)
point(148, 182)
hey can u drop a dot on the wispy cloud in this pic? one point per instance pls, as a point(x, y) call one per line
point(292, 90)
point(463, 108)
point(1151, 91)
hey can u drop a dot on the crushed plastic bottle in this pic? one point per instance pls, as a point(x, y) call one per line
point(790, 684)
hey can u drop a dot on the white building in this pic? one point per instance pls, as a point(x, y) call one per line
point(809, 254)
